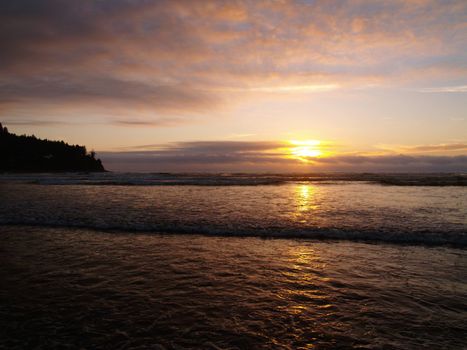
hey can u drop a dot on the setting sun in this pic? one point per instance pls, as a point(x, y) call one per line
point(306, 149)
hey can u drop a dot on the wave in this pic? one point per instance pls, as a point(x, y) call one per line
point(456, 239)
point(187, 179)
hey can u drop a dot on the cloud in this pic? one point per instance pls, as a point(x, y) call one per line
point(283, 88)
point(437, 148)
point(34, 122)
point(156, 123)
point(114, 93)
point(461, 88)
point(266, 156)
point(157, 59)
point(398, 160)
point(206, 148)
point(199, 156)
point(444, 148)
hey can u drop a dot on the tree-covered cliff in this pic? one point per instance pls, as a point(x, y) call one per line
point(30, 154)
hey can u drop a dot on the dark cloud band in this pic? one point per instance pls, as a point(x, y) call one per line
point(269, 156)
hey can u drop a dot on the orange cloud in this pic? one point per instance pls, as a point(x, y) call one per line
point(187, 57)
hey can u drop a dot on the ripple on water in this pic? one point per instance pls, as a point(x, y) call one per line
point(88, 289)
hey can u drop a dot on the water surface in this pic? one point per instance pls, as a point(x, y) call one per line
point(352, 210)
point(73, 288)
point(164, 261)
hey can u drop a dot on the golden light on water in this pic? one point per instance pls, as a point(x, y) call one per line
point(305, 191)
point(304, 197)
point(305, 202)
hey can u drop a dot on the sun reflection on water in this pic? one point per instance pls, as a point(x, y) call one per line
point(305, 202)
point(306, 291)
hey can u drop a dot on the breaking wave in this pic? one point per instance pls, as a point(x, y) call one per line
point(451, 238)
point(336, 207)
point(228, 179)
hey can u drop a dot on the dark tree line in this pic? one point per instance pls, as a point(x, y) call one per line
point(30, 154)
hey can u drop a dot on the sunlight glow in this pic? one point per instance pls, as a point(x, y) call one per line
point(305, 142)
point(306, 202)
point(296, 88)
point(305, 149)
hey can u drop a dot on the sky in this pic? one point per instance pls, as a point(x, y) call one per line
point(270, 86)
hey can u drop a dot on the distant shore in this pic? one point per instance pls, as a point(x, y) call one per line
point(29, 154)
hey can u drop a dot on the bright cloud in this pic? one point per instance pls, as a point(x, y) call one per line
point(155, 58)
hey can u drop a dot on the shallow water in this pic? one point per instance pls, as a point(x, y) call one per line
point(351, 210)
point(74, 288)
point(158, 261)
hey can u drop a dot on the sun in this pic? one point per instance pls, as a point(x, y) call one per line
point(306, 149)
point(306, 152)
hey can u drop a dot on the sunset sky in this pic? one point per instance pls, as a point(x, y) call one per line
point(241, 85)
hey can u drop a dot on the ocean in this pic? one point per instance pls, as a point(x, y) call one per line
point(233, 261)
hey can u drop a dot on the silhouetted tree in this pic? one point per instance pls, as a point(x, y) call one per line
point(3, 129)
point(30, 154)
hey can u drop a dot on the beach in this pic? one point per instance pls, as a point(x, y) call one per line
point(328, 264)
